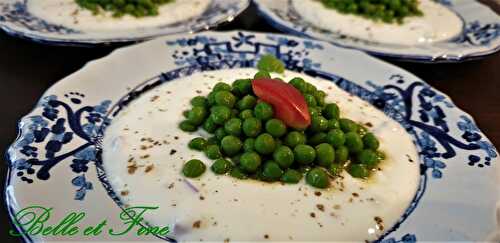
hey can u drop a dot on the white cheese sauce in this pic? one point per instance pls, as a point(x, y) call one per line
point(144, 151)
point(67, 13)
point(437, 24)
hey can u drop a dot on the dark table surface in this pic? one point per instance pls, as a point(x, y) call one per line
point(27, 69)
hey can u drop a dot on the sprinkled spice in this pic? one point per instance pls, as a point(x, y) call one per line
point(197, 224)
point(149, 168)
point(313, 215)
point(124, 192)
point(173, 151)
point(320, 207)
point(266, 236)
point(317, 193)
point(132, 168)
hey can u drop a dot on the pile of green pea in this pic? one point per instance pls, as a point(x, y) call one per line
point(388, 11)
point(136, 8)
point(248, 142)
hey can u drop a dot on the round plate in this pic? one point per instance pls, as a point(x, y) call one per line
point(17, 19)
point(480, 37)
point(55, 162)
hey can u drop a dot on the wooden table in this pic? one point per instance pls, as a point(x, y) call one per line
point(27, 69)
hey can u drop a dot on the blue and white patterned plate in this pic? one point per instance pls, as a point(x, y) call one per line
point(480, 37)
point(18, 18)
point(55, 162)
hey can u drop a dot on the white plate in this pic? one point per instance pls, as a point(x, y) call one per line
point(480, 36)
point(62, 22)
point(457, 191)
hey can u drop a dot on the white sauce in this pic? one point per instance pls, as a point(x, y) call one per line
point(437, 24)
point(69, 14)
point(246, 209)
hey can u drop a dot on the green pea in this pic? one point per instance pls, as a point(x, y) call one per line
point(231, 145)
point(283, 155)
point(265, 144)
point(318, 124)
point(304, 154)
point(247, 102)
point(245, 114)
point(211, 98)
point(249, 145)
point(233, 126)
point(213, 152)
point(310, 89)
point(198, 143)
point(348, 125)
point(270, 63)
point(335, 137)
point(250, 161)
point(331, 111)
point(335, 169)
point(196, 115)
point(318, 178)
point(220, 114)
point(317, 138)
point(193, 168)
point(370, 141)
point(187, 126)
point(369, 158)
point(310, 100)
point(320, 97)
point(341, 154)
point(291, 176)
point(242, 86)
point(325, 155)
point(333, 124)
point(238, 173)
point(299, 84)
point(263, 111)
point(276, 128)
point(220, 86)
point(220, 133)
point(294, 138)
point(262, 74)
point(252, 127)
point(199, 101)
point(358, 171)
point(314, 111)
point(209, 125)
point(353, 142)
point(272, 171)
point(221, 166)
point(225, 98)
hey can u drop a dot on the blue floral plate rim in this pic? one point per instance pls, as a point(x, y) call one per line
point(441, 145)
point(17, 21)
point(480, 38)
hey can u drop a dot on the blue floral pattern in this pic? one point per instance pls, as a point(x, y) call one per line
point(45, 135)
point(418, 107)
point(18, 13)
point(67, 129)
point(480, 36)
point(17, 20)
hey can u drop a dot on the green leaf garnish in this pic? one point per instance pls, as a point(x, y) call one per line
point(269, 63)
